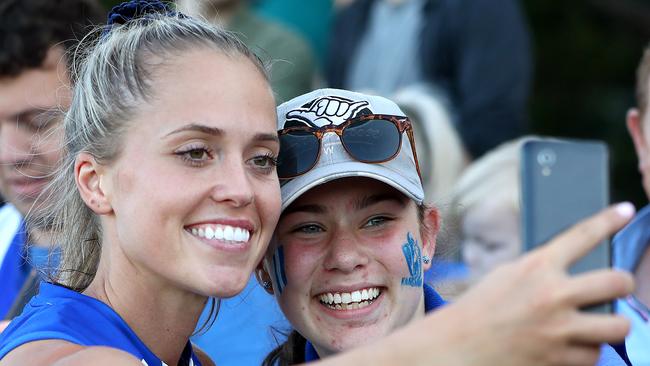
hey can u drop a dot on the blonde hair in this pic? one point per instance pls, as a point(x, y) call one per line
point(494, 175)
point(113, 73)
point(441, 152)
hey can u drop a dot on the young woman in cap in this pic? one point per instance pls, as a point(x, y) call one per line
point(168, 196)
point(355, 237)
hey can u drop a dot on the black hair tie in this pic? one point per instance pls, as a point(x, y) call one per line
point(138, 9)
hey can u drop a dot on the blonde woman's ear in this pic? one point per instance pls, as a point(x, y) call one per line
point(88, 176)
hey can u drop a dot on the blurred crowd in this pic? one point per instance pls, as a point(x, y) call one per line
point(462, 70)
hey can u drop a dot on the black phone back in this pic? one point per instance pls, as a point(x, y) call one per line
point(562, 183)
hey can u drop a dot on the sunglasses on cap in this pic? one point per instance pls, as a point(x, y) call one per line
point(371, 138)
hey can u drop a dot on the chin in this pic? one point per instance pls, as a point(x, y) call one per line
point(336, 344)
point(226, 284)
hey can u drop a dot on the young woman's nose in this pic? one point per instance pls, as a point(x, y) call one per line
point(345, 253)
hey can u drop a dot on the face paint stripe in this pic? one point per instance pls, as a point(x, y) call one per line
point(413, 256)
point(278, 269)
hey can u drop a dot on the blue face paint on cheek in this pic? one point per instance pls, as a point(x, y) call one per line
point(413, 256)
point(278, 269)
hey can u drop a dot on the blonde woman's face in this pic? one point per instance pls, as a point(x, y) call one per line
point(352, 259)
point(491, 235)
point(194, 192)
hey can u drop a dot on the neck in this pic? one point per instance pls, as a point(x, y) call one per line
point(161, 314)
point(641, 274)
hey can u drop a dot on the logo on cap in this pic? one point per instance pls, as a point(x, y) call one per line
point(326, 110)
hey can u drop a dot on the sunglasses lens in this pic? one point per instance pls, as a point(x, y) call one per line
point(298, 153)
point(371, 140)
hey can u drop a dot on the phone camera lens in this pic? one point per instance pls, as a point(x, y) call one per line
point(546, 158)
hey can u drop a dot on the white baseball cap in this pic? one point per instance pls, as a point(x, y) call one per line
point(333, 106)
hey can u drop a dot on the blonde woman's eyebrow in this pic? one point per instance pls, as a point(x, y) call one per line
point(209, 130)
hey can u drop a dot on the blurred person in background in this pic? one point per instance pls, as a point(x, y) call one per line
point(486, 209)
point(34, 92)
point(475, 52)
point(440, 150)
point(631, 246)
point(312, 19)
point(293, 67)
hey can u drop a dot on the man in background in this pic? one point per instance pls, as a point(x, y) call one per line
point(37, 37)
point(631, 246)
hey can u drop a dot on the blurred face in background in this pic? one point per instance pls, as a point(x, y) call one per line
point(31, 106)
point(491, 235)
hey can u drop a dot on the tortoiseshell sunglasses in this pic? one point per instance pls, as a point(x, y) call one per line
point(371, 138)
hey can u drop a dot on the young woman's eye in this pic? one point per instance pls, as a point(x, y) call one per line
point(196, 156)
point(377, 221)
point(266, 162)
point(309, 229)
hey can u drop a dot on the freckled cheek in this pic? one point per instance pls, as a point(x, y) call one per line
point(388, 250)
point(301, 264)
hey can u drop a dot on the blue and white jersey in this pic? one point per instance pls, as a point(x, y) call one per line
point(60, 313)
point(13, 267)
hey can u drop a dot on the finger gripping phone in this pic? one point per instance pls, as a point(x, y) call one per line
point(563, 182)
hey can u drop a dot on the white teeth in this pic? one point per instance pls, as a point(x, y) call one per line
point(228, 233)
point(222, 232)
point(209, 233)
point(346, 300)
point(356, 296)
point(239, 234)
point(218, 233)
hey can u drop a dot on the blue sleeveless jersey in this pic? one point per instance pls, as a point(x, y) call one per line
point(59, 313)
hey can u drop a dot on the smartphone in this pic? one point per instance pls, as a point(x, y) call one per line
point(563, 182)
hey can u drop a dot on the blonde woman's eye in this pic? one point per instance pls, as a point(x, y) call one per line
point(195, 156)
point(267, 161)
